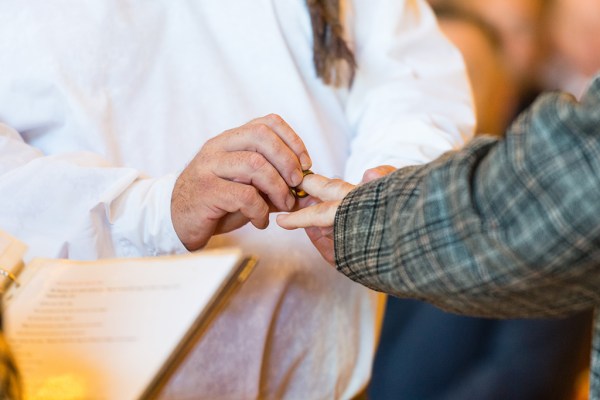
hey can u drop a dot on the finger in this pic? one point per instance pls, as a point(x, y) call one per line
point(260, 138)
point(305, 202)
point(321, 215)
point(231, 222)
point(324, 188)
point(245, 199)
point(377, 172)
point(236, 220)
point(323, 242)
point(289, 137)
point(253, 169)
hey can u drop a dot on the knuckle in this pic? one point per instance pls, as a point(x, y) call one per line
point(201, 163)
point(213, 142)
point(256, 161)
point(215, 139)
point(267, 136)
point(296, 142)
point(209, 142)
point(274, 118)
point(254, 206)
point(333, 183)
point(262, 130)
point(248, 196)
point(261, 206)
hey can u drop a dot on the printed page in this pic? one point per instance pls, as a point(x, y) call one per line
point(102, 330)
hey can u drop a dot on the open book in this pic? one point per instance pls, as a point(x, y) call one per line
point(109, 329)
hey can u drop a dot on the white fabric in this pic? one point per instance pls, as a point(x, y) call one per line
point(104, 102)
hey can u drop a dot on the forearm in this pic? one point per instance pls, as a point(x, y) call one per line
point(503, 228)
point(76, 205)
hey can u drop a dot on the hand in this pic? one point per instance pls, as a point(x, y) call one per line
point(377, 172)
point(238, 177)
point(318, 214)
point(325, 196)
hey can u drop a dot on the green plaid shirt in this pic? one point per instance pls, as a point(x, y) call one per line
point(507, 228)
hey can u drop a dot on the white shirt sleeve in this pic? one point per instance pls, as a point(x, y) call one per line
point(77, 206)
point(411, 100)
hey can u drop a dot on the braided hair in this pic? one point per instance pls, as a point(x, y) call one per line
point(333, 59)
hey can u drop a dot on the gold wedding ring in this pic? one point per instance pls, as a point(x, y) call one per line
point(299, 193)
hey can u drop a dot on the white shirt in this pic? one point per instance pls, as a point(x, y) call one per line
point(102, 103)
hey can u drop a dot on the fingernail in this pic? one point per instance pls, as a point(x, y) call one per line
point(296, 178)
point(305, 161)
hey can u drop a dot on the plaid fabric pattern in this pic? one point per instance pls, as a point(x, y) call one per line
point(506, 228)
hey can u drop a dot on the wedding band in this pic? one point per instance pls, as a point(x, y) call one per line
point(299, 193)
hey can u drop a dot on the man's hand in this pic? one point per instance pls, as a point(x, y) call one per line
point(376, 173)
point(238, 177)
point(318, 214)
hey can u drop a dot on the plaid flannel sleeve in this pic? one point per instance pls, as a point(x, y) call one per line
point(507, 228)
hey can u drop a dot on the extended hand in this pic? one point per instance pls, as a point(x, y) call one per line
point(239, 176)
point(319, 213)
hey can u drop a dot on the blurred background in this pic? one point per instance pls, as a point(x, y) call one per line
point(527, 45)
